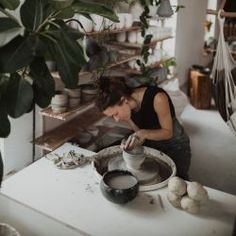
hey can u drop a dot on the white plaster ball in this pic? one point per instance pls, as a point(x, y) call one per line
point(197, 192)
point(177, 186)
point(174, 199)
point(189, 205)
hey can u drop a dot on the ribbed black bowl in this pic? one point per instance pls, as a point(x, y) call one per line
point(118, 195)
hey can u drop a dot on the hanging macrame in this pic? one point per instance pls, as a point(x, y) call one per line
point(224, 79)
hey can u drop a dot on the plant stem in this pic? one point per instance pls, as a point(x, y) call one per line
point(9, 15)
point(53, 23)
point(48, 37)
point(44, 22)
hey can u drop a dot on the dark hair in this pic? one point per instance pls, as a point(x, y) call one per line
point(110, 91)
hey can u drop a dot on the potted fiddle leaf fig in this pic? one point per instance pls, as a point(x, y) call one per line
point(24, 76)
point(31, 32)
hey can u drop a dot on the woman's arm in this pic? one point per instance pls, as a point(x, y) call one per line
point(162, 108)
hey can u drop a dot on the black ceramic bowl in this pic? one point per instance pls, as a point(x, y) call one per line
point(119, 186)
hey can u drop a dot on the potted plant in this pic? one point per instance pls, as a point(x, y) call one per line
point(42, 33)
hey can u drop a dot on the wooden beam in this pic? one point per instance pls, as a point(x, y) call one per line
point(223, 14)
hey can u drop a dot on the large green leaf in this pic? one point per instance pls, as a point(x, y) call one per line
point(19, 96)
point(60, 4)
point(72, 33)
point(65, 13)
point(34, 12)
point(84, 7)
point(18, 53)
point(43, 83)
point(7, 24)
point(10, 4)
point(3, 85)
point(5, 126)
point(1, 167)
point(67, 53)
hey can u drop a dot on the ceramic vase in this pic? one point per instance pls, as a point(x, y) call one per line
point(165, 9)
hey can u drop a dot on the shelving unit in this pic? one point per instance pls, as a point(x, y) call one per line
point(56, 137)
point(139, 46)
point(86, 114)
point(71, 112)
point(137, 72)
point(114, 31)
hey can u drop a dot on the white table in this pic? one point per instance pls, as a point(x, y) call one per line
point(74, 198)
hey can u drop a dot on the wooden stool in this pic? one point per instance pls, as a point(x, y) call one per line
point(200, 90)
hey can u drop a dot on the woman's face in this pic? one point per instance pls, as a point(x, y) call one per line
point(119, 112)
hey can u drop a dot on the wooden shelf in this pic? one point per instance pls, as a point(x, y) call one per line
point(56, 75)
point(137, 45)
point(58, 136)
point(115, 31)
point(137, 72)
point(214, 50)
point(70, 113)
point(124, 61)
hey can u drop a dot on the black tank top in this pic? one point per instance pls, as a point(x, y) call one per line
point(146, 117)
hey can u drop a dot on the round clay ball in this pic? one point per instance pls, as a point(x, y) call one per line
point(189, 205)
point(197, 192)
point(174, 199)
point(177, 186)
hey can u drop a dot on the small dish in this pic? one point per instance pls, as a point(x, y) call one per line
point(119, 186)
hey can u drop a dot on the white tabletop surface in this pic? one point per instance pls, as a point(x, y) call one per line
point(74, 197)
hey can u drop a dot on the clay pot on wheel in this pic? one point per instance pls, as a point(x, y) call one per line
point(134, 158)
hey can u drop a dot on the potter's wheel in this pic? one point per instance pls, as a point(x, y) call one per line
point(147, 172)
point(155, 172)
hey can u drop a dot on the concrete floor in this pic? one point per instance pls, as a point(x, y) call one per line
point(213, 149)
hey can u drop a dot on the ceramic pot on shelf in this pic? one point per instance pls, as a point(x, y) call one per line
point(165, 9)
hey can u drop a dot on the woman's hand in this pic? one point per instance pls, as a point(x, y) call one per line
point(134, 140)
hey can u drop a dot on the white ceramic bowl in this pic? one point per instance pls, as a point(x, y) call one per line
point(56, 109)
point(73, 93)
point(132, 37)
point(74, 102)
point(134, 158)
point(60, 99)
point(121, 37)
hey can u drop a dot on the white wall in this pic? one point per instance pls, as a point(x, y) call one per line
point(17, 147)
point(190, 36)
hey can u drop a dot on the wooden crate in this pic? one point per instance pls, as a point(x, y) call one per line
point(200, 90)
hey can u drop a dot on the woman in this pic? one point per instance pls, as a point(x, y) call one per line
point(150, 113)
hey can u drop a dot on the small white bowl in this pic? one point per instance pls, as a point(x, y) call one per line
point(132, 37)
point(60, 99)
point(58, 109)
point(73, 93)
point(121, 37)
point(134, 158)
point(74, 102)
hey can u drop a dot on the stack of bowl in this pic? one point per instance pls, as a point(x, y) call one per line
point(88, 92)
point(74, 96)
point(59, 102)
